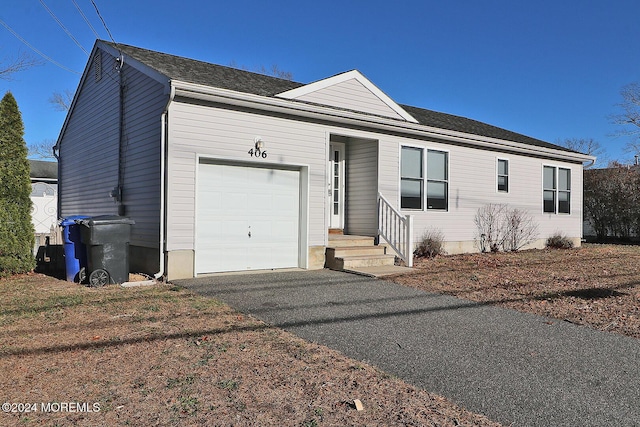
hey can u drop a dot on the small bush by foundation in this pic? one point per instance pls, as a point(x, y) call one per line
point(559, 241)
point(430, 245)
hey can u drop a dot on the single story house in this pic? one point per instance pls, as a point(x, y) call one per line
point(224, 170)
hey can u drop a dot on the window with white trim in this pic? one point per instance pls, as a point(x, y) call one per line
point(437, 180)
point(564, 190)
point(556, 183)
point(503, 175)
point(411, 178)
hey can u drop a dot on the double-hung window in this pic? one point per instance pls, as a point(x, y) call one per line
point(437, 179)
point(413, 178)
point(564, 190)
point(556, 190)
point(503, 175)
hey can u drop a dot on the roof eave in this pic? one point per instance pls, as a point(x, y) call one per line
point(280, 105)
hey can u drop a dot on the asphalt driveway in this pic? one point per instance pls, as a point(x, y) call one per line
point(516, 368)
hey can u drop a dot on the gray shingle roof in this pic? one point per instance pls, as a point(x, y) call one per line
point(43, 170)
point(204, 73)
point(198, 72)
point(474, 127)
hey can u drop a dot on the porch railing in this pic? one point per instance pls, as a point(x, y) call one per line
point(396, 229)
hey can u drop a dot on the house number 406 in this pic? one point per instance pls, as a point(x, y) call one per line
point(256, 152)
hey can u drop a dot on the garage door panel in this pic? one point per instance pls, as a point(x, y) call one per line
point(235, 201)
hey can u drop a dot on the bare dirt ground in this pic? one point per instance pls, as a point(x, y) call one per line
point(159, 355)
point(596, 285)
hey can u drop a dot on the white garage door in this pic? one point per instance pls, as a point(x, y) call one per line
point(247, 218)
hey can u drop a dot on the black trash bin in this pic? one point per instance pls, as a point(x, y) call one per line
point(107, 240)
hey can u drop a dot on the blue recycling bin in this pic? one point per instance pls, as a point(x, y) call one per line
point(75, 252)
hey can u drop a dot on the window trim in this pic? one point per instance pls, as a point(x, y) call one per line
point(498, 175)
point(423, 187)
point(567, 191)
point(557, 190)
point(445, 181)
point(425, 149)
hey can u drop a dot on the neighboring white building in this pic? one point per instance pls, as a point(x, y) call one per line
point(44, 199)
point(224, 169)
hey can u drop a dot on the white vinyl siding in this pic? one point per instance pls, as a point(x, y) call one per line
point(471, 173)
point(472, 183)
point(217, 133)
point(362, 191)
point(351, 95)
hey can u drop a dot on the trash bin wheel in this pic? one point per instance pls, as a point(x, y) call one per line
point(82, 275)
point(98, 278)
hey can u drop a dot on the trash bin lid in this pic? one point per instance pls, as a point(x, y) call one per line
point(105, 220)
point(70, 220)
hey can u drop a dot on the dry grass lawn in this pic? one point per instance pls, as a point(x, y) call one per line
point(163, 356)
point(595, 285)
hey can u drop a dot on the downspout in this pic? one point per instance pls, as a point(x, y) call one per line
point(117, 192)
point(164, 127)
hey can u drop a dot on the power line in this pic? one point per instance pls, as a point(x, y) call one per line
point(85, 19)
point(103, 23)
point(36, 50)
point(63, 27)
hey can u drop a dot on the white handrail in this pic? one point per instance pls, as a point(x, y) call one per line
point(396, 229)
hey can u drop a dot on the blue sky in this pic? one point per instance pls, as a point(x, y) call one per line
point(550, 69)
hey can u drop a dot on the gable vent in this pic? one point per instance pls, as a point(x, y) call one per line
point(97, 66)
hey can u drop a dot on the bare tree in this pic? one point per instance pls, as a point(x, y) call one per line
point(274, 71)
point(61, 101)
point(629, 118)
point(587, 146)
point(21, 63)
point(42, 150)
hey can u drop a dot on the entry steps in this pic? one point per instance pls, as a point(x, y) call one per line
point(360, 254)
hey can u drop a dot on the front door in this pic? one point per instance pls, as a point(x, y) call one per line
point(336, 185)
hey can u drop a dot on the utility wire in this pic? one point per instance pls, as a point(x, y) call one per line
point(85, 19)
point(103, 23)
point(64, 28)
point(36, 50)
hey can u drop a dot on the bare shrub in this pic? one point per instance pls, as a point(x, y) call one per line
point(521, 229)
point(501, 227)
point(430, 245)
point(559, 241)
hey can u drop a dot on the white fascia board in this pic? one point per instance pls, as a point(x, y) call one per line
point(350, 118)
point(340, 78)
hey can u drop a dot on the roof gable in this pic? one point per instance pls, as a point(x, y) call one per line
point(352, 91)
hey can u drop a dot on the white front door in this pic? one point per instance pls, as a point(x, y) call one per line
point(336, 185)
point(247, 218)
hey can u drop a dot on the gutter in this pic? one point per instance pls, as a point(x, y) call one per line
point(351, 118)
point(164, 127)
